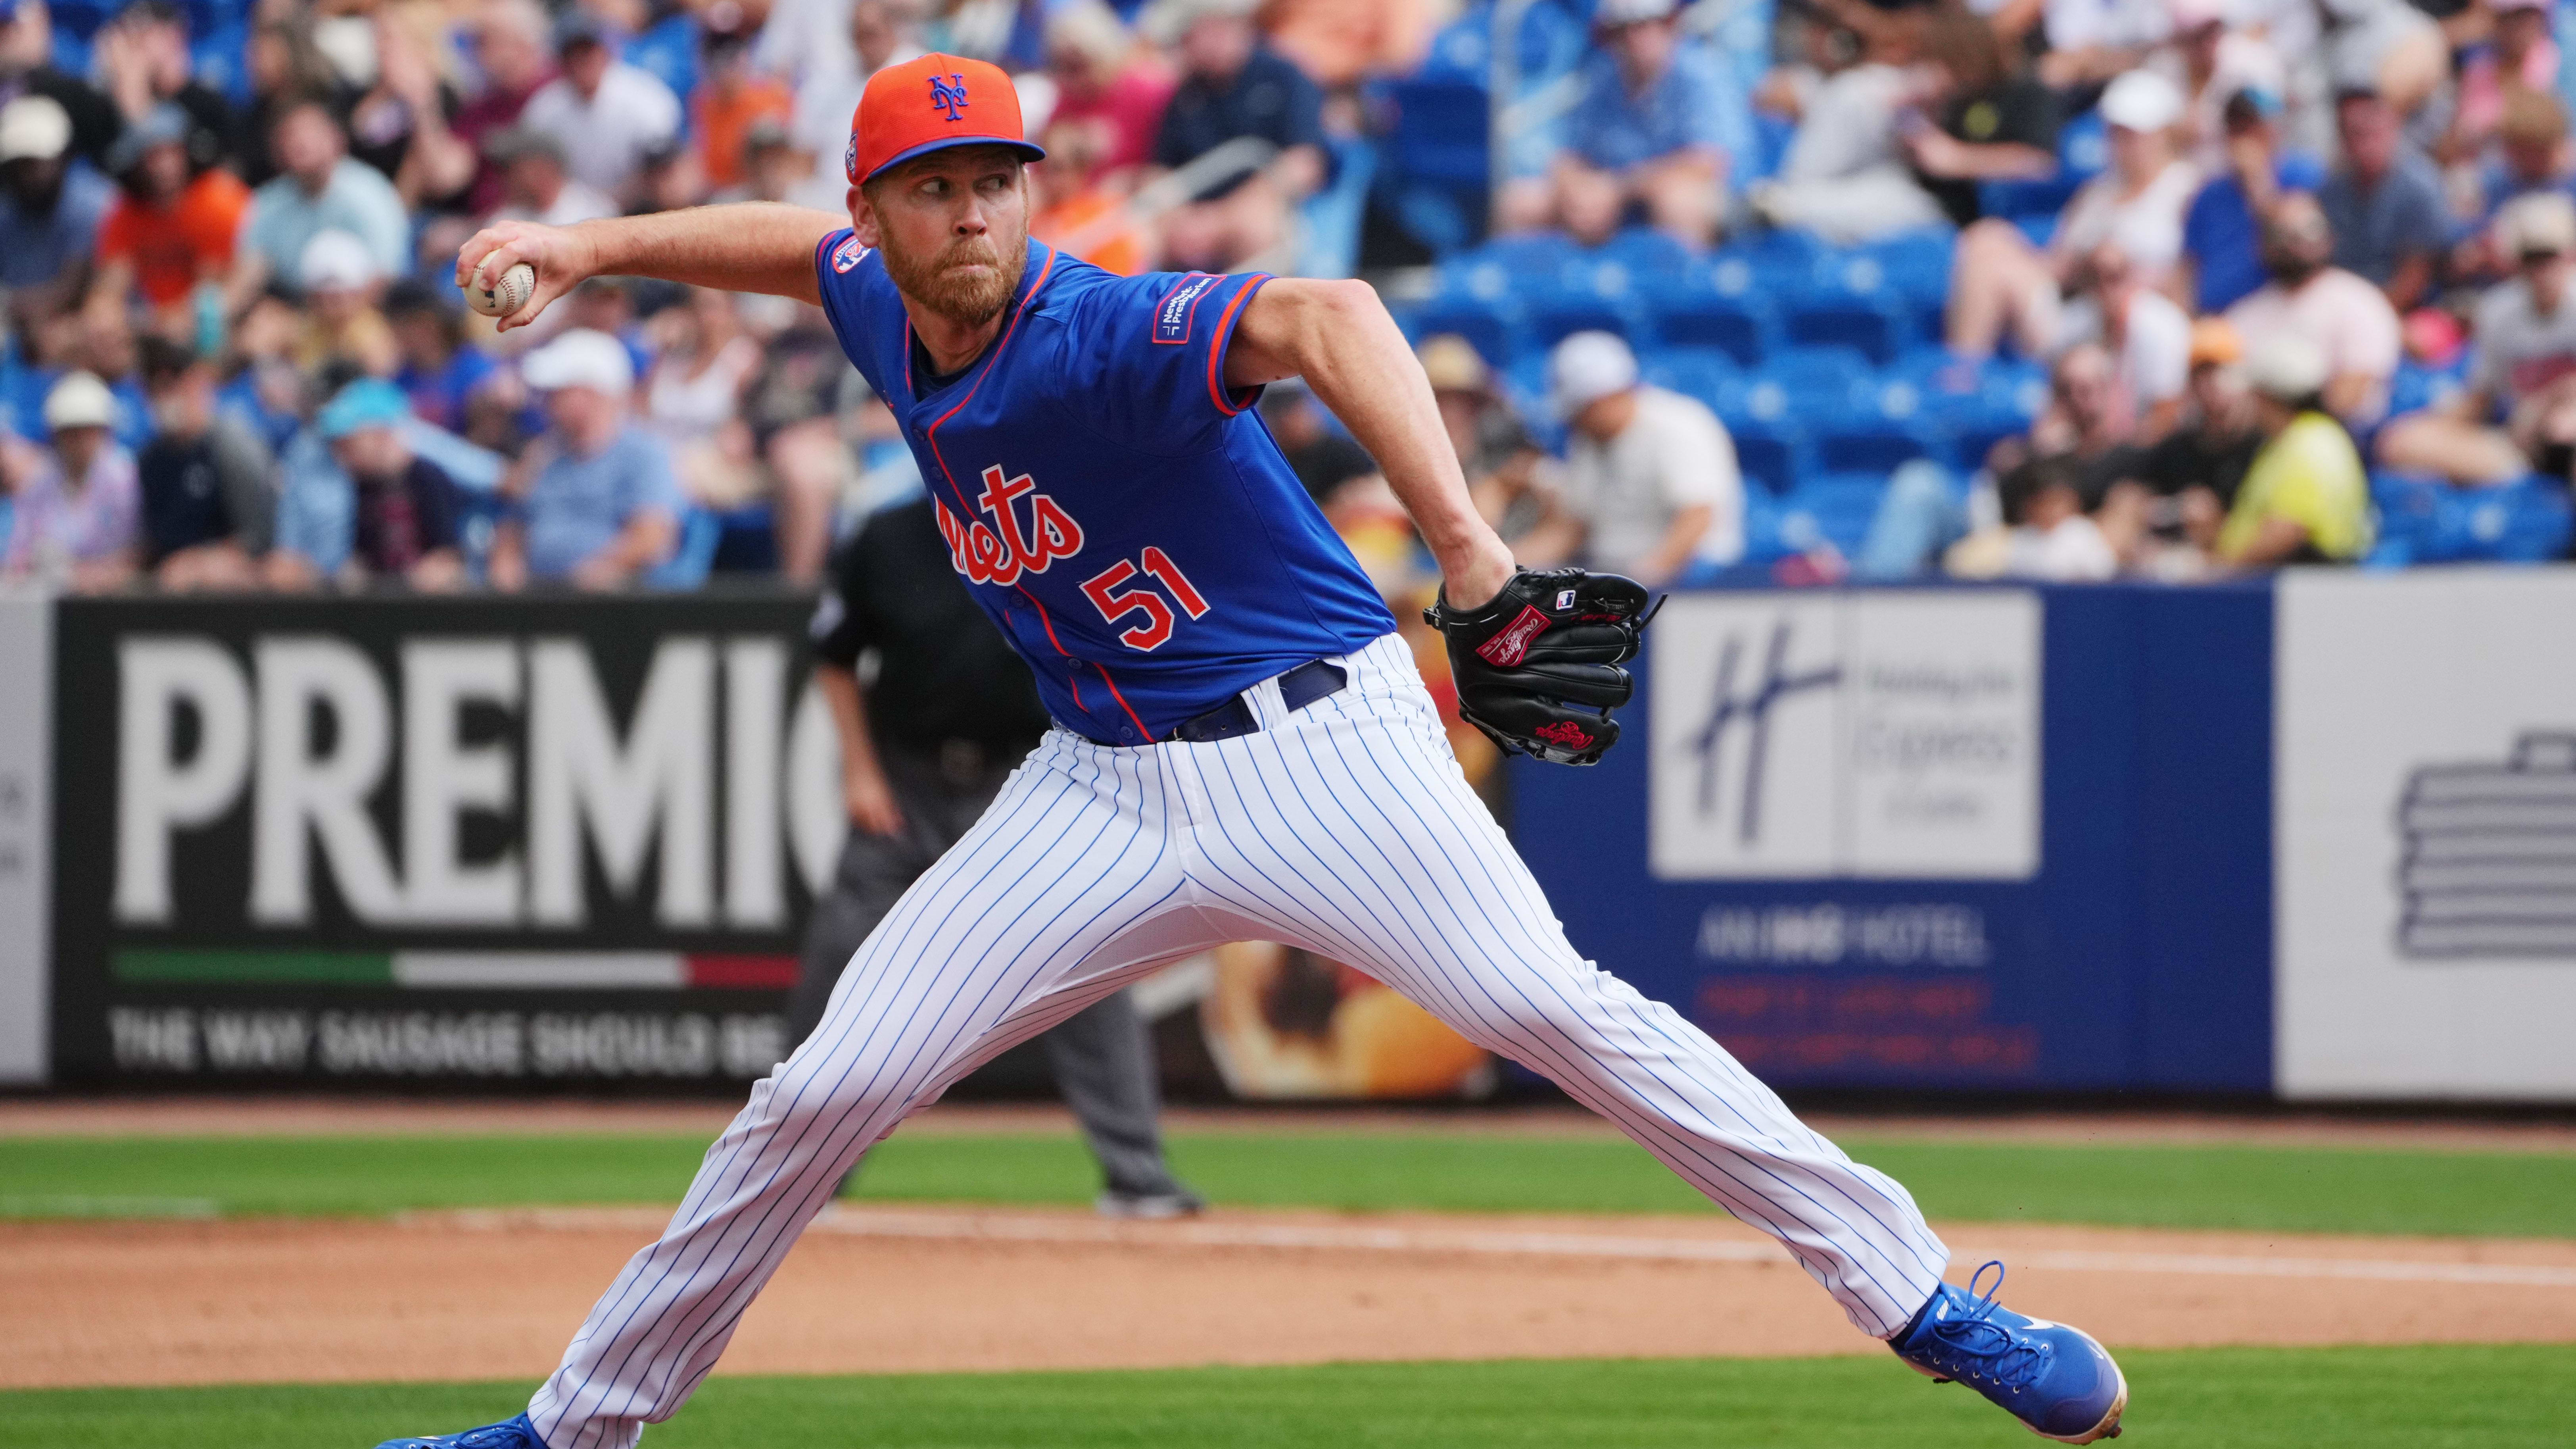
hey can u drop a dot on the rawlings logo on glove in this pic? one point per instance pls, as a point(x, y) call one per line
point(1537, 666)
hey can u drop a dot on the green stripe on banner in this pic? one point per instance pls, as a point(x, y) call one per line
point(254, 968)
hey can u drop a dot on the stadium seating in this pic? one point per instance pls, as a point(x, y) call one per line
point(2428, 521)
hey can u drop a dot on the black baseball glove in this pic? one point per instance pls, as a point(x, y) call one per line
point(1538, 667)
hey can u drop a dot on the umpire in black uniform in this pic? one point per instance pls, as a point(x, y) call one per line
point(924, 748)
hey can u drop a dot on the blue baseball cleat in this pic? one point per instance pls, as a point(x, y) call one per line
point(518, 1433)
point(2053, 1378)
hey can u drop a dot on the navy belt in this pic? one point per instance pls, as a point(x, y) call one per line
point(1299, 687)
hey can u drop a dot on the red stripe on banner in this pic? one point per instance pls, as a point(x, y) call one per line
point(749, 973)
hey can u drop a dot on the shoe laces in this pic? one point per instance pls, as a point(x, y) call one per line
point(494, 1436)
point(1986, 1351)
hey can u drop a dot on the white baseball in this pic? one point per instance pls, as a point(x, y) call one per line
point(517, 285)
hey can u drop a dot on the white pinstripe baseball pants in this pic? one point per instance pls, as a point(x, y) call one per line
point(1345, 829)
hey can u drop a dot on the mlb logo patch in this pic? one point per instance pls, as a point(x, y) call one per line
point(847, 254)
point(1173, 315)
point(1565, 598)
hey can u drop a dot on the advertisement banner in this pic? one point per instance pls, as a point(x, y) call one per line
point(26, 839)
point(1878, 735)
point(497, 839)
point(521, 842)
point(1981, 839)
point(2426, 759)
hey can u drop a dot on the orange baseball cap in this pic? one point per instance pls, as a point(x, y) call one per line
point(930, 104)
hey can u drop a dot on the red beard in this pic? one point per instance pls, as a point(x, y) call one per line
point(952, 284)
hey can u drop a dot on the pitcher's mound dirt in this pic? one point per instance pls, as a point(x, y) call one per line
point(488, 1295)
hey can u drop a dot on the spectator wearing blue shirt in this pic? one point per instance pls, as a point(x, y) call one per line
point(50, 205)
point(2222, 234)
point(601, 506)
point(2385, 201)
point(448, 382)
point(318, 188)
point(1234, 88)
point(406, 515)
point(1656, 131)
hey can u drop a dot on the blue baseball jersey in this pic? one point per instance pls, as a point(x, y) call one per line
point(1119, 511)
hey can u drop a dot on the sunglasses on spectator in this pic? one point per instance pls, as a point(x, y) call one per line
point(2531, 258)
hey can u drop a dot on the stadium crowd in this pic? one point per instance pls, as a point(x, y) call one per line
point(2063, 289)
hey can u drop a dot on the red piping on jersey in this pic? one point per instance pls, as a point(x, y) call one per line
point(1147, 734)
point(1217, 345)
point(930, 435)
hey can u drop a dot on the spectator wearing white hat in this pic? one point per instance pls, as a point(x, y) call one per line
point(50, 205)
point(2211, 61)
point(2526, 368)
point(600, 507)
point(2305, 499)
point(341, 284)
point(1655, 133)
point(2001, 283)
point(1650, 483)
point(2346, 319)
point(78, 523)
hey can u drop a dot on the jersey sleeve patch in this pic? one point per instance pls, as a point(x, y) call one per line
point(1178, 311)
point(848, 254)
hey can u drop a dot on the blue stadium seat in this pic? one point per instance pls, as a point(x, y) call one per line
point(670, 51)
point(1842, 506)
point(1433, 166)
point(2429, 521)
point(2084, 146)
point(81, 20)
point(1584, 296)
point(1530, 254)
point(1441, 129)
point(220, 57)
point(1552, 36)
point(1822, 384)
point(1850, 302)
point(1490, 327)
point(1773, 454)
point(1794, 250)
point(2417, 387)
point(1886, 426)
point(1696, 372)
point(1646, 253)
point(1917, 267)
point(1693, 312)
point(1969, 405)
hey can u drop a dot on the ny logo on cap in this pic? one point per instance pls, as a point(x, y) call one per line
point(948, 94)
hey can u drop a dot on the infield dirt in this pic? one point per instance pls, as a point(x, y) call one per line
point(495, 1295)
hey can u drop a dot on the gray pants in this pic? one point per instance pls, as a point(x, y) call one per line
point(1103, 1062)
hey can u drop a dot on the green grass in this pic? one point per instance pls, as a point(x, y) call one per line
point(2449, 1397)
point(2318, 1189)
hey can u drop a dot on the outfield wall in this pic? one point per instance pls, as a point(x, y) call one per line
point(2316, 838)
